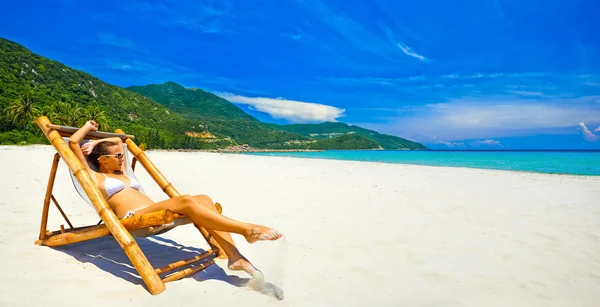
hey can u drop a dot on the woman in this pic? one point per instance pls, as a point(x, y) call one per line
point(123, 196)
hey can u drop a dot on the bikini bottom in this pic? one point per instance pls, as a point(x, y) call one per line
point(131, 213)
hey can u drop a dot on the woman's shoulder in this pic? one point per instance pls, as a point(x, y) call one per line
point(95, 175)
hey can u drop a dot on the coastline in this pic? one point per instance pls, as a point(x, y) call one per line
point(457, 237)
point(388, 162)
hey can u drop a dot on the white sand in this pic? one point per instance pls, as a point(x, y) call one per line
point(357, 234)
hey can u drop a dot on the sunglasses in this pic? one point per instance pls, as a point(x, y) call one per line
point(118, 155)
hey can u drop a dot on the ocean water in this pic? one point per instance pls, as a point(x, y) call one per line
point(554, 162)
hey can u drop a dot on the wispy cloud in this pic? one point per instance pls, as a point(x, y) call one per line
point(528, 93)
point(291, 110)
point(111, 39)
point(494, 75)
point(490, 142)
point(135, 66)
point(452, 144)
point(339, 32)
point(354, 81)
point(486, 143)
point(475, 118)
point(346, 29)
point(587, 134)
point(410, 52)
point(403, 47)
point(195, 16)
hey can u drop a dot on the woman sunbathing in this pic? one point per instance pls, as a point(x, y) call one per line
point(123, 196)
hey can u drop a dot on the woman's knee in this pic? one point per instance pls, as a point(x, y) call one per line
point(186, 202)
point(190, 201)
point(204, 200)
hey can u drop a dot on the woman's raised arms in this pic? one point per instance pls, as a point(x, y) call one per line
point(76, 139)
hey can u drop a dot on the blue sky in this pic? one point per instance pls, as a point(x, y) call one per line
point(449, 74)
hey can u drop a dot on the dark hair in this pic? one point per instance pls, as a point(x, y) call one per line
point(99, 150)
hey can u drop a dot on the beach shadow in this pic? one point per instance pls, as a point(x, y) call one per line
point(106, 254)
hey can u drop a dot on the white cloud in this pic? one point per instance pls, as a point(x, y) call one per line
point(358, 81)
point(133, 66)
point(294, 111)
point(514, 116)
point(587, 134)
point(408, 51)
point(597, 129)
point(527, 93)
point(490, 142)
point(452, 144)
point(442, 79)
point(191, 15)
point(108, 38)
point(495, 75)
point(479, 143)
point(478, 118)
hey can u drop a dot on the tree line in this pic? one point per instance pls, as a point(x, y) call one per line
point(22, 112)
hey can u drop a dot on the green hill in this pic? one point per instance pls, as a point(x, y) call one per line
point(69, 97)
point(224, 117)
point(332, 129)
point(346, 141)
point(203, 105)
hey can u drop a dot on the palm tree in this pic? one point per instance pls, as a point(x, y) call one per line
point(64, 113)
point(74, 118)
point(23, 110)
point(95, 113)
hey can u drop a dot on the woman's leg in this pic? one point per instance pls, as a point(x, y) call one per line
point(209, 219)
point(236, 260)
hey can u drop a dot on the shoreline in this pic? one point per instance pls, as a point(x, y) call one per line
point(249, 153)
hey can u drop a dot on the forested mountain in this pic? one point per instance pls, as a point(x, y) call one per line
point(160, 116)
point(192, 103)
point(31, 85)
point(223, 115)
point(220, 116)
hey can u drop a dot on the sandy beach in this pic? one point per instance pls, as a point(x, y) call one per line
point(356, 234)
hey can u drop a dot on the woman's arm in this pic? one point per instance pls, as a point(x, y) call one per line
point(77, 137)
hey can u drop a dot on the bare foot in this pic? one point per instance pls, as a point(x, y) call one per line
point(239, 263)
point(261, 233)
point(257, 282)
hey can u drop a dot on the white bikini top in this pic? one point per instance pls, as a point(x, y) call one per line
point(114, 186)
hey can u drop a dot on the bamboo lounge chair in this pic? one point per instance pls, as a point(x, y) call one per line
point(122, 230)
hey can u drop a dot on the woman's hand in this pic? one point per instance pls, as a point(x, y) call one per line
point(88, 147)
point(92, 125)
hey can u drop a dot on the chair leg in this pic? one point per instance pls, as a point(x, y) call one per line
point(46, 208)
point(61, 211)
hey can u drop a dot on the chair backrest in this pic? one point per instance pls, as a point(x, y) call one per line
point(78, 186)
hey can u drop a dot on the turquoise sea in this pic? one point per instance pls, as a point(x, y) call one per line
point(555, 162)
